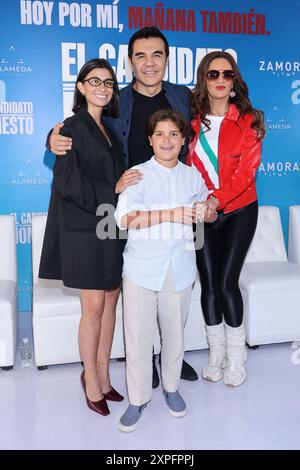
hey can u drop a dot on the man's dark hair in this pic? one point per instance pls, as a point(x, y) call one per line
point(168, 114)
point(146, 33)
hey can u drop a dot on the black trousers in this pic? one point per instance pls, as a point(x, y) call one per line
point(220, 261)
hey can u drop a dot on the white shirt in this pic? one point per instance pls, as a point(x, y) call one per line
point(150, 251)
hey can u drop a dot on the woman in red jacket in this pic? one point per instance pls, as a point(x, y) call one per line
point(226, 150)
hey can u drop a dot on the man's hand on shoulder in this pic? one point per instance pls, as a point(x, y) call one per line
point(59, 144)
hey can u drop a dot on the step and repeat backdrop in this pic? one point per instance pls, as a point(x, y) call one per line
point(44, 44)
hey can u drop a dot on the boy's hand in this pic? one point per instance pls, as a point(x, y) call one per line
point(183, 215)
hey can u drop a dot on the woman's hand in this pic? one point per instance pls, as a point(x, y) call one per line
point(205, 211)
point(213, 202)
point(129, 178)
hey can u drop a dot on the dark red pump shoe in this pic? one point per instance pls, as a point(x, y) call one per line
point(113, 395)
point(97, 406)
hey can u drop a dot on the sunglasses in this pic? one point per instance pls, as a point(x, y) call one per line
point(214, 74)
point(95, 81)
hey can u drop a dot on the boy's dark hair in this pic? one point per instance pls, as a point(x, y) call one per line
point(146, 33)
point(167, 115)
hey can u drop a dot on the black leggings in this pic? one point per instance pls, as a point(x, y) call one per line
point(220, 261)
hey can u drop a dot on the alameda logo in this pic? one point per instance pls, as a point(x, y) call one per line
point(275, 121)
point(12, 63)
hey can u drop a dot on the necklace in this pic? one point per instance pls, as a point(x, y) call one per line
point(218, 114)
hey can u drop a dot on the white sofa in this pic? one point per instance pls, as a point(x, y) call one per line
point(56, 313)
point(8, 291)
point(294, 235)
point(270, 285)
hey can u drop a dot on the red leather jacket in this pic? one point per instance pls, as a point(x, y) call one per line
point(238, 159)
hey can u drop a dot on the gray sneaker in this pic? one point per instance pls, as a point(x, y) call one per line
point(176, 404)
point(129, 420)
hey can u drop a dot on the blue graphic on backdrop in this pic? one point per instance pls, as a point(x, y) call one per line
point(44, 44)
point(2, 91)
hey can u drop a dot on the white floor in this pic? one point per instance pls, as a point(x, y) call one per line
point(46, 409)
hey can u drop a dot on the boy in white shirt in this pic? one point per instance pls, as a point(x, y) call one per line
point(159, 263)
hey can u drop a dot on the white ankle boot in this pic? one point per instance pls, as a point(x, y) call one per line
point(213, 371)
point(234, 373)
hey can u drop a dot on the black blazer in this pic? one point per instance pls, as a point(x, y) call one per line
point(83, 179)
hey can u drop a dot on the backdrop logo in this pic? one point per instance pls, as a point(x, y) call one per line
point(24, 287)
point(16, 117)
point(272, 168)
point(12, 63)
point(23, 226)
point(29, 176)
point(276, 122)
point(286, 68)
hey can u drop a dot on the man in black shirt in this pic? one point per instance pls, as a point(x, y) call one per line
point(139, 149)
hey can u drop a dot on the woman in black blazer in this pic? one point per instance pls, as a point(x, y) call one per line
point(89, 175)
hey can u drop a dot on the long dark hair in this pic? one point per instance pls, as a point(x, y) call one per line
point(200, 101)
point(113, 107)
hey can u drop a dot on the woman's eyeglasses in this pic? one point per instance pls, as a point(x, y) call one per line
point(95, 81)
point(214, 74)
